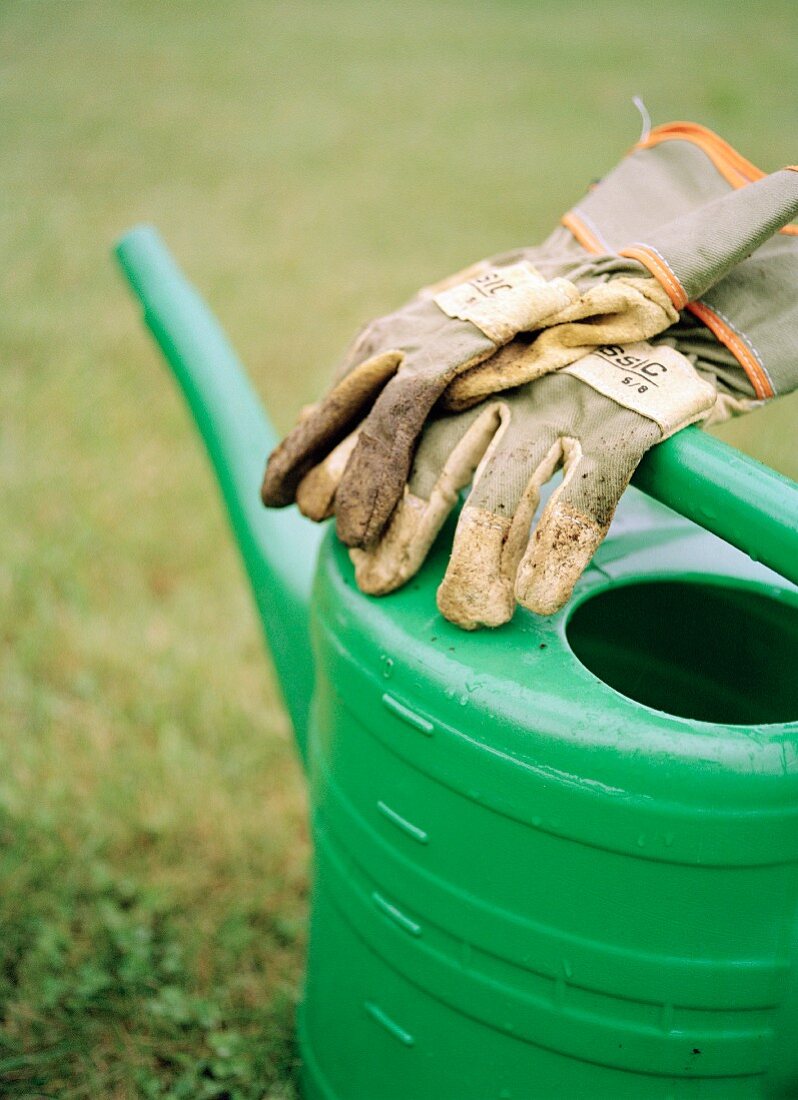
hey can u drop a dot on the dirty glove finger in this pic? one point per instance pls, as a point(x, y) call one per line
point(597, 466)
point(447, 456)
point(329, 422)
point(315, 494)
point(377, 471)
point(493, 529)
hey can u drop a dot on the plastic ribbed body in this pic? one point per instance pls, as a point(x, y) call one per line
point(529, 885)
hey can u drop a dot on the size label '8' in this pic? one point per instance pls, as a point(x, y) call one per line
point(658, 382)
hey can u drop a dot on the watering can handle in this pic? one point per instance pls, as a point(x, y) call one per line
point(735, 497)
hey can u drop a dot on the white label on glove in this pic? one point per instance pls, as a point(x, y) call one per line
point(503, 301)
point(657, 382)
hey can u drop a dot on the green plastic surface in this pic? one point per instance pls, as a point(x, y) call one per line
point(555, 860)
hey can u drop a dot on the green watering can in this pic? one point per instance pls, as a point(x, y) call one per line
point(559, 859)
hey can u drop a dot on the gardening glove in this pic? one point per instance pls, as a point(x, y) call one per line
point(595, 419)
point(740, 335)
point(401, 364)
point(741, 344)
point(449, 338)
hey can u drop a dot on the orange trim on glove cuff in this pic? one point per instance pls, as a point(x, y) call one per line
point(737, 346)
point(586, 237)
point(656, 263)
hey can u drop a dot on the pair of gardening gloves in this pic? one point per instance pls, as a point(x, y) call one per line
point(667, 297)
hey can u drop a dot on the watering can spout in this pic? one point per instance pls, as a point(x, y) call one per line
point(279, 549)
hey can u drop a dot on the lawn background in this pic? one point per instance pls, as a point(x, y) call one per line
point(310, 165)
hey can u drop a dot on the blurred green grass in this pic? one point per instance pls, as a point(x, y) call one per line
point(310, 165)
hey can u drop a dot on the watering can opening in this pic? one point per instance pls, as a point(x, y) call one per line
point(700, 649)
